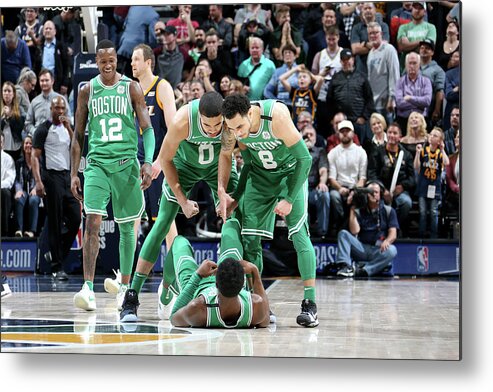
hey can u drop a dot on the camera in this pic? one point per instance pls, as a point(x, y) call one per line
point(360, 197)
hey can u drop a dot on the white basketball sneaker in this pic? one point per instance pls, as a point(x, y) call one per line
point(112, 286)
point(85, 298)
point(164, 311)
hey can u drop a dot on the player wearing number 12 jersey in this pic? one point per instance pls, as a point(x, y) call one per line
point(273, 181)
point(189, 154)
point(108, 105)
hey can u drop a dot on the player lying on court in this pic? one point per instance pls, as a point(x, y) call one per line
point(209, 295)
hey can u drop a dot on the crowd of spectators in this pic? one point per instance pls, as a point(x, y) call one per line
point(389, 71)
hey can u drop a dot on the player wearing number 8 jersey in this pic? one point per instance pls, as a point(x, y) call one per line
point(108, 105)
point(273, 181)
point(189, 154)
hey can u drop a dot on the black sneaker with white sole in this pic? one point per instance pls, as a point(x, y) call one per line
point(308, 316)
point(347, 271)
point(129, 307)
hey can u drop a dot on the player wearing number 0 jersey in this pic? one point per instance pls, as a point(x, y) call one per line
point(108, 106)
point(189, 154)
point(273, 181)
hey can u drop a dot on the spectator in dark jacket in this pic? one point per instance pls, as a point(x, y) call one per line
point(53, 55)
point(350, 93)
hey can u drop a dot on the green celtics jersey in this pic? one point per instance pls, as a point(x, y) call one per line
point(198, 150)
point(268, 152)
point(111, 123)
point(214, 319)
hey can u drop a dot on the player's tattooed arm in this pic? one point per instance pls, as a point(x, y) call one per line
point(228, 140)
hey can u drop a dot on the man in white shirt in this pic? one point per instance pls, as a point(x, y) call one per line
point(347, 169)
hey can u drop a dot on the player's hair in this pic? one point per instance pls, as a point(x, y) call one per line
point(236, 104)
point(230, 277)
point(105, 44)
point(147, 53)
point(210, 104)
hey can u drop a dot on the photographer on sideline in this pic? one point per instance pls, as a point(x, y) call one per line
point(372, 230)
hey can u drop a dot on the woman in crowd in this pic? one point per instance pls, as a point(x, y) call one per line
point(416, 133)
point(225, 85)
point(12, 120)
point(25, 191)
point(450, 45)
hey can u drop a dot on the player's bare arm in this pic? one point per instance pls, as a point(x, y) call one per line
point(194, 314)
point(140, 109)
point(167, 97)
point(228, 142)
point(78, 140)
point(259, 297)
point(177, 132)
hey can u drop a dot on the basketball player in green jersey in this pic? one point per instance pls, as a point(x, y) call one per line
point(273, 181)
point(108, 105)
point(211, 295)
point(189, 154)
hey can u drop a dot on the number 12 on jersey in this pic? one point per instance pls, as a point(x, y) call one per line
point(111, 132)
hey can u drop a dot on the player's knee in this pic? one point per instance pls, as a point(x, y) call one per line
point(126, 228)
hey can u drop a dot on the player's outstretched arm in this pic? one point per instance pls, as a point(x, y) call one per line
point(177, 132)
point(228, 142)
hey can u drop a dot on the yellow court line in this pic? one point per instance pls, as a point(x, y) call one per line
point(96, 338)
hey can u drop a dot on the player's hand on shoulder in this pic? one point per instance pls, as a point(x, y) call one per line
point(207, 268)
